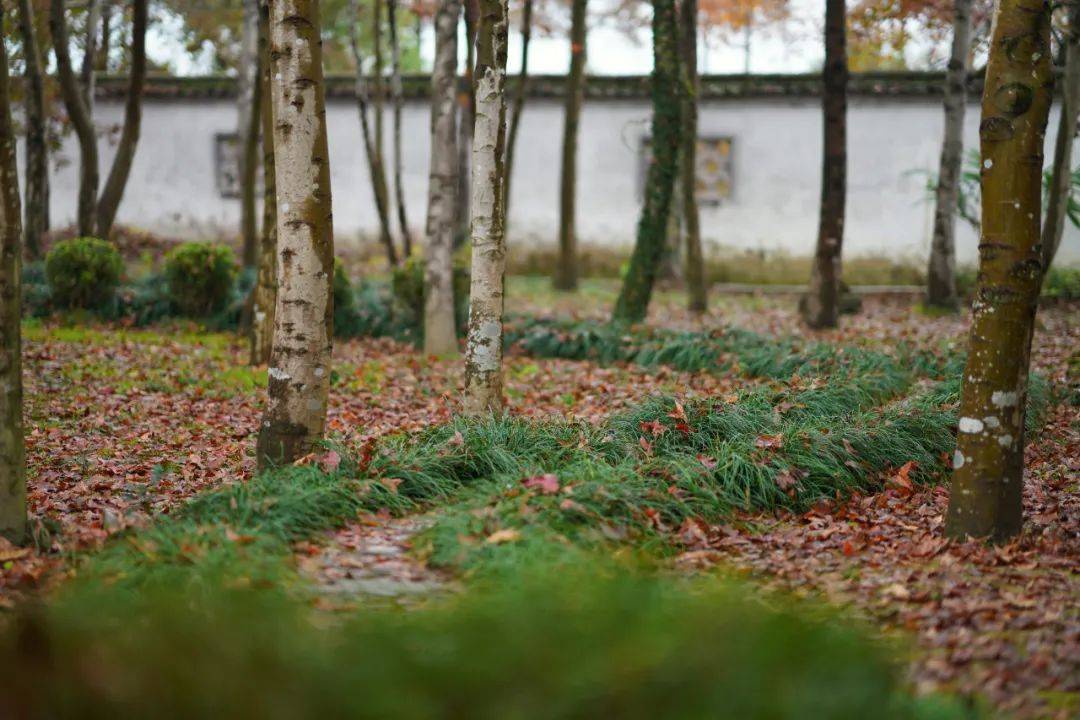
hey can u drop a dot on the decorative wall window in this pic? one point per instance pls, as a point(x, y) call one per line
point(227, 164)
point(714, 176)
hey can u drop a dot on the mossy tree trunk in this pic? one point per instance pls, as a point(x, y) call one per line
point(12, 450)
point(264, 294)
point(376, 171)
point(633, 301)
point(518, 104)
point(1061, 175)
point(694, 272)
point(78, 110)
point(941, 270)
point(484, 349)
point(821, 305)
point(396, 97)
point(116, 182)
point(248, 130)
point(36, 212)
point(440, 332)
point(566, 266)
point(299, 373)
point(989, 460)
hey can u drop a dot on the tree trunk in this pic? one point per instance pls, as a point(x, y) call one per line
point(989, 459)
point(248, 130)
point(466, 123)
point(484, 349)
point(12, 450)
point(941, 271)
point(377, 75)
point(37, 153)
point(519, 101)
point(396, 94)
point(694, 271)
point(633, 301)
point(299, 374)
point(264, 294)
point(1061, 178)
point(79, 113)
point(821, 305)
point(87, 73)
point(129, 136)
point(102, 64)
point(375, 167)
point(440, 333)
point(566, 268)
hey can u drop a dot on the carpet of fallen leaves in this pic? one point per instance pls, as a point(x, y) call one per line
point(123, 425)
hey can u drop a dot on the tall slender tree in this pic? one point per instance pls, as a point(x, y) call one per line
point(566, 268)
point(440, 333)
point(1061, 173)
point(821, 305)
point(518, 103)
point(466, 121)
point(697, 299)
point(81, 120)
point(88, 69)
point(116, 181)
point(264, 294)
point(376, 169)
point(633, 301)
point(36, 212)
point(941, 273)
point(988, 464)
point(484, 348)
point(299, 374)
point(12, 450)
point(248, 125)
point(397, 99)
point(94, 216)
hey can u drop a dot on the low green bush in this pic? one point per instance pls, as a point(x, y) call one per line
point(1062, 284)
point(199, 277)
point(407, 286)
point(83, 273)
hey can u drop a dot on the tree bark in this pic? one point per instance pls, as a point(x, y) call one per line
point(1061, 176)
point(566, 268)
point(113, 192)
point(79, 113)
point(941, 271)
point(440, 333)
point(102, 64)
point(88, 71)
point(377, 75)
point(264, 294)
point(821, 305)
point(12, 450)
point(519, 101)
point(248, 130)
point(484, 348)
point(989, 460)
point(376, 170)
point(696, 291)
point(633, 301)
point(396, 96)
point(466, 123)
point(36, 213)
point(299, 371)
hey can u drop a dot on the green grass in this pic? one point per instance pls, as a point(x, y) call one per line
point(602, 640)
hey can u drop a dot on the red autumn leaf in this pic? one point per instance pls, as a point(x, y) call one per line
point(645, 445)
point(707, 461)
point(457, 440)
point(654, 426)
point(679, 413)
point(769, 442)
point(902, 477)
point(547, 484)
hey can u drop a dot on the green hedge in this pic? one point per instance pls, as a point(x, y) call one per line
point(83, 273)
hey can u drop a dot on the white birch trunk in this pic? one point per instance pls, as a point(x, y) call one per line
point(484, 348)
point(440, 333)
point(299, 371)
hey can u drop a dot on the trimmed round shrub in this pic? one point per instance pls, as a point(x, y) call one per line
point(407, 284)
point(199, 277)
point(83, 272)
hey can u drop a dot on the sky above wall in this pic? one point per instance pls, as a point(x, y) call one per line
point(613, 50)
